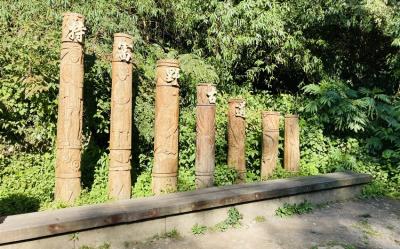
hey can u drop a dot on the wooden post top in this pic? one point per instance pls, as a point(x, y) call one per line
point(73, 28)
point(122, 48)
point(167, 73)
point(236, 100)
point(291, 116)
point(270, 113)
point(168, 63)
point(123, 35)
point(73, 14)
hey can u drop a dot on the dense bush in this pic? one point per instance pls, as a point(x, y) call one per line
point(336, 63)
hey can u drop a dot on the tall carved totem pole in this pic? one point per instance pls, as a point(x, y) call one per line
point(165, 169)
point(270, 142)
point(119, 183)
point(292, 143)
point(237, 136)
point(70, 108)
point(205, 135)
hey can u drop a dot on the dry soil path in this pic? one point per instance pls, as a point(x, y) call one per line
point(365, 223)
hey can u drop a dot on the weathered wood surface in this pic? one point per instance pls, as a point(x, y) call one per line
point(70, 109)
point(165, 169)
point(292, 143)
point(205, 135)
point(237, 137)
point(40, 224)
point(270, 142)
point(119, 176)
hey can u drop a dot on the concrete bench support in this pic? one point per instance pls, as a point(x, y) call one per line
point(125, 221)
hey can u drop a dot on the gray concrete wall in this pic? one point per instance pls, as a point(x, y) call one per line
point(121, 236)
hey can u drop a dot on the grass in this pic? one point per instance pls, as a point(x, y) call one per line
point(104, 246)
point(295, 209)
point(259, 219)
point(232, 221)
point(173, 234)
point(198, 229)
point(366, 228)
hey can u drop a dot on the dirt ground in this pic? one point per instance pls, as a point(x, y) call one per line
point(361, 223)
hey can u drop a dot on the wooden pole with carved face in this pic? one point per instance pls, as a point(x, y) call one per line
point(237, 137)
point(292, 143)
point(270, 142)
point(119, 177)
point(165, 169)
point(205, 135)
point(70, 109)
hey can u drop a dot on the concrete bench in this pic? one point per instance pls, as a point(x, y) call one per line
point(141, 218)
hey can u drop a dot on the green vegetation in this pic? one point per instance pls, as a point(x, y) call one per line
point(336, 63)
point(199, 229)
point(104, 246)
point(173, 234)
point(259, 219)
point(287, 209)
point(366, 228)
point(232, 221)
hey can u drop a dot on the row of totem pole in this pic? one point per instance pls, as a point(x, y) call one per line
point(165, 169)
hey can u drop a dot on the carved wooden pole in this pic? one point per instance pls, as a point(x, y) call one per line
point(292, 143)
point(270, 125)
point(70, 108)
point(205, 136)
point(237, 137)
point(119, 182)
point(165, 169)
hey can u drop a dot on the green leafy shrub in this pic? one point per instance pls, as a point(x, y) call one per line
point(271, 53)
point(232, 221)
point(27, 182)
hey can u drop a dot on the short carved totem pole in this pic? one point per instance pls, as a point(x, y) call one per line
point(205, 135)
point(70, 108)
point(119, 179)
point(165, 169)
point(270, 142)
point(292, 143)
point(237, 137)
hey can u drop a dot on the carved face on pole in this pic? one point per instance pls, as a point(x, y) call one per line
point(212, 95)
point(171, 75)
point(240, 110)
